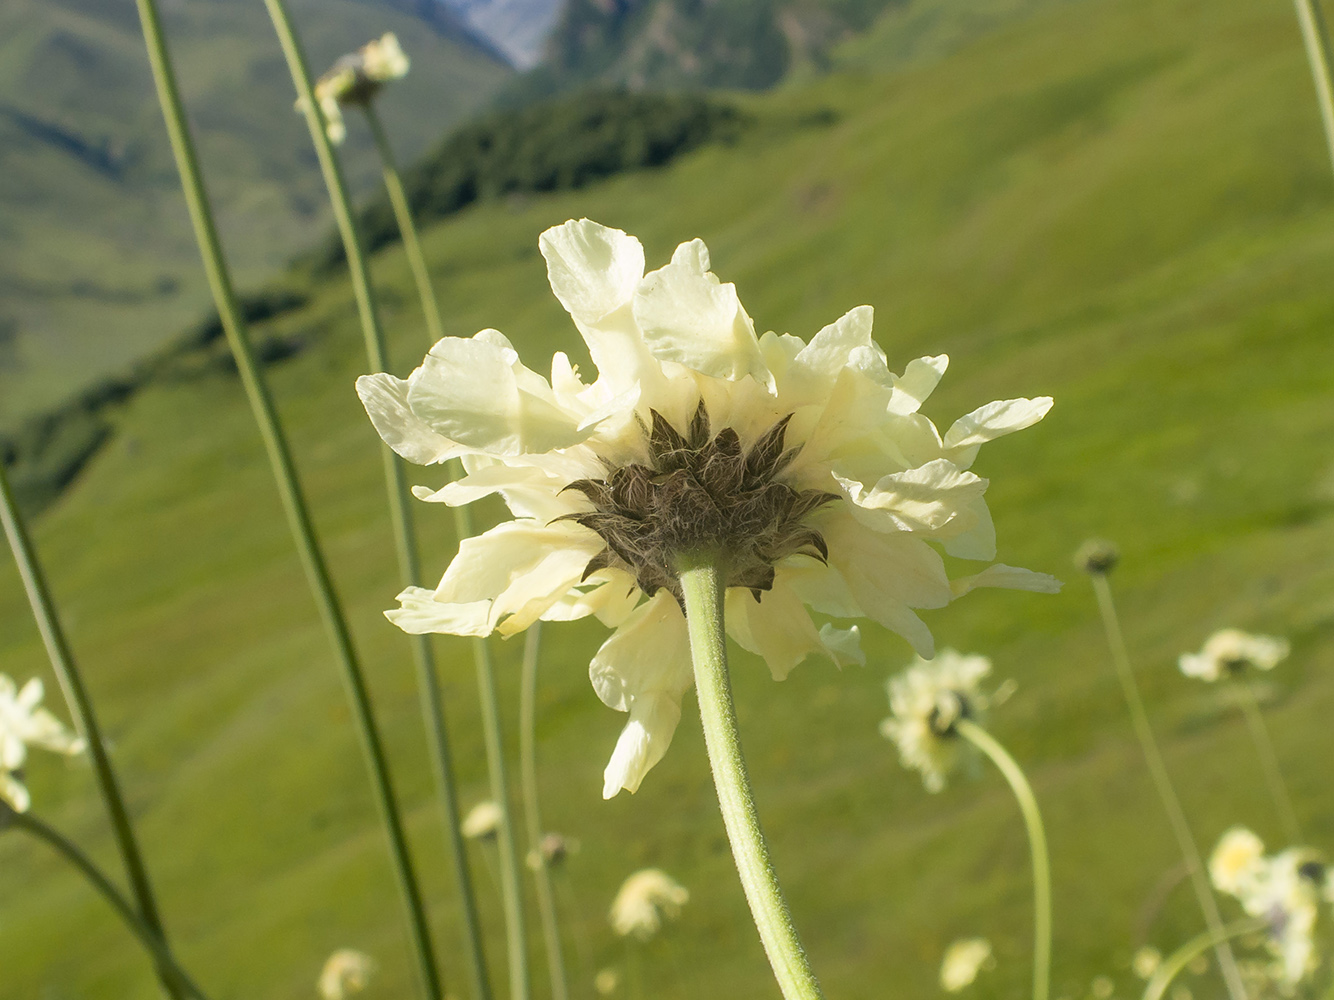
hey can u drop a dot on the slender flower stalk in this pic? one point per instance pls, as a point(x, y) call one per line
point(546, 899)
point(396, 485)
point(81, 709)
point(1162, 781)
point(1198, 945)
point(398, 199)
point(177, 981)
point(702, 582)
point(1320, 54)
point(289, 488)
point(1264, 749)
point(1037, 841)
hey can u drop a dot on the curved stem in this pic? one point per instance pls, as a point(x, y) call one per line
point(398, 200)
point(702, 586)
point(180, 982)
point(1162, 782)
point(1179, 959)
point(546, 899)
point(1264, 749)
point(1315, 36)
point(81, 708)
point(1037, 841)
point(289, 487)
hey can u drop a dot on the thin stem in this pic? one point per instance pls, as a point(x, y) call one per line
point(702, 586)
point(1179, 959)
point(398, 199)
point(1037, 842)
point(181, 984)
point(1264, 749)
point(546, 900)
point(1315, 35)
point(81, 708)
point(1162, 782)
point(399, 497)
point(289, 488)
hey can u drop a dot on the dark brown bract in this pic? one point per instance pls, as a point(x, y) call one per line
point(702, 493)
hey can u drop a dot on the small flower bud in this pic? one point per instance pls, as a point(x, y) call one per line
point(1097, 555)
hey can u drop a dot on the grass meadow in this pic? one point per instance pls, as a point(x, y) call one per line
point(1124, 204)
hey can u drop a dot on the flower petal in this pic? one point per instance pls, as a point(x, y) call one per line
point(13, 792)
point(994, 420)
point(1008, 578)
point(642, 743)
point(593, 270)
point(691, 319)
point(386, 402)
point(919, 380)
point(650, 651)
point(777, 627)
point(421, 613)
point(923, 499)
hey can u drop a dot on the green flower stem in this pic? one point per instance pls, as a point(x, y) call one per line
point(702, 577)
point(398, 199)
point(1179, 959)
point(289, 489)
point(546, 900)
point(511, 887)
point(1162, 782)
point(1264, 749)
point(1315, 34)
point(177, 980)
point(81, 709)
point(1037, 842)
point(396, 484)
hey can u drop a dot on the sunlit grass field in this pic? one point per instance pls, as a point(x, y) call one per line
point(1124, 204)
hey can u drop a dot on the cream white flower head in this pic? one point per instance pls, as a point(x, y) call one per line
point(355, 79)
point(645, 899)
point(926, 700)
point(346, 972)
point(807, 464)
point(1146, 961)
point(1284, 890)
point(482, 822)
point(963, 961)
point(1230, 651)
point(23, 724)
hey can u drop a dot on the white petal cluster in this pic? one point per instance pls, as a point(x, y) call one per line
point(24, 723)
point(963, 961)
point(666, 342)
point(346, 972)
point(926, 700)
point(482, 822)
point(645, 899)
point(1284, 889)
point(1230, 651)
point(356, 78)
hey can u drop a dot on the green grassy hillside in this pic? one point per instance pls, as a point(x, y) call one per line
point(97, 265)
point(1122, 203)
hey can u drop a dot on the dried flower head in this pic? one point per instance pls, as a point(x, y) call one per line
point(963, 960)
point(645, 899)
point(346, 972)
point(807, 466)
point(1230, 652)
point(926, 700)
point(355, 79)
point(24, 723)
point(483, 821)
point(1097, 555)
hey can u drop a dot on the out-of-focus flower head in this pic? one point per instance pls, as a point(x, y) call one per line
point(1230, 652)
point(1284, 890)
point(1097, 556)
point(23, 724)
point(346, 973)
point(550, 852)
point(1146, 961)
point(607, 981)
point(808, 466)
point(355, 79)
point(963, 960)
point(483, 821)
point(926, 700)
point(645, 899)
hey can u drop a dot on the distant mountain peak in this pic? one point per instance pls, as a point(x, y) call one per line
point(517, 28)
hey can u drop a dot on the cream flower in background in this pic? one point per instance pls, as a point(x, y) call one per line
point(807, 465)
point(1230, 651)
point(356, 78)
point(24, 723)
point(963, 961)
point(1146, 961)
point(1236, 860)
point(346, 972)
point(645, 900)
point(926, 700)
point(482, 822)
